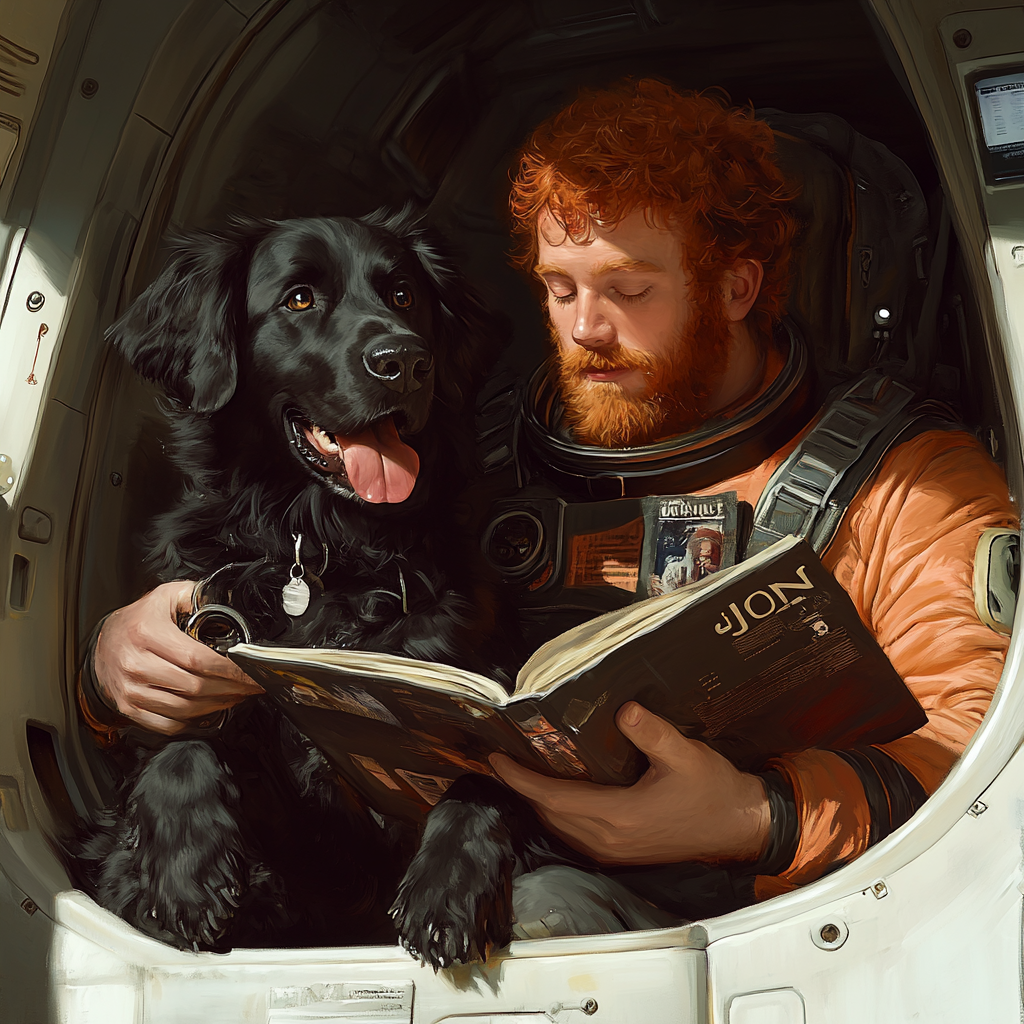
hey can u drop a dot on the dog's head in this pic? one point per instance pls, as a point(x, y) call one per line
point(341, 335)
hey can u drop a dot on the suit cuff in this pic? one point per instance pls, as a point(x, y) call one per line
point(832, 814)
point(94, 711)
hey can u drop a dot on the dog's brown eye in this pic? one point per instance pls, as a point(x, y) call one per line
point(300, 299)
point(401, 297)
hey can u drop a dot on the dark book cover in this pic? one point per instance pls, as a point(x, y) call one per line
point(765, 659)
point(769, 659)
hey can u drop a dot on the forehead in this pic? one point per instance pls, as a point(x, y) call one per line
point(633, 239)
point(322, 249)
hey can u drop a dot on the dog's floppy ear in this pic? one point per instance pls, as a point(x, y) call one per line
point(181, 331)
point(472, 334)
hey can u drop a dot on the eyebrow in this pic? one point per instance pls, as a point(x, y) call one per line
point(609, 267)
point(626, 264)
point(546, 268)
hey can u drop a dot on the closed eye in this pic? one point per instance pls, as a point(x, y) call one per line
point(300, 300)
point(633, 296)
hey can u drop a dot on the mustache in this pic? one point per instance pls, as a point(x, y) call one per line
point(583, 360)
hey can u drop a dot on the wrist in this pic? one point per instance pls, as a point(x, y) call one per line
point(95, 707)
point(784, 829)
point(746, 825)
point(757, 817)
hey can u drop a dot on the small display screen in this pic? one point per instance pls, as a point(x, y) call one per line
point(1001, 113)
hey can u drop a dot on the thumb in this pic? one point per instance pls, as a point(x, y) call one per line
point(659, 740)
point(179, 593)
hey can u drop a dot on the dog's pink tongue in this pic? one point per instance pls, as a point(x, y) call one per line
point(380, 465)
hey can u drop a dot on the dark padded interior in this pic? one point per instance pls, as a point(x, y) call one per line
point(339, 108)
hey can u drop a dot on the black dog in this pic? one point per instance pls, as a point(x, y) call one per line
point(319, 373)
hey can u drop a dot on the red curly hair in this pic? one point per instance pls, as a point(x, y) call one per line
point(688, 160)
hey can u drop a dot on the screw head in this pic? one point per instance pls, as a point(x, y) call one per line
point(29, 906)
point(89, 87)
point(115, 479)
point(830, 934)
point(962, 38)
point(589, 1007)
point(35, 301)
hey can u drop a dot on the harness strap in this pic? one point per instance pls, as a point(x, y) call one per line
point(809, 493)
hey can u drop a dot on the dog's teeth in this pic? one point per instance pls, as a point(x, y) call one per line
point(325, 439)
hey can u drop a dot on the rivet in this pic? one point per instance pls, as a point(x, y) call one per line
point(29, 906)
point(90, 87)
point(993, 443)
point(830, 935)
point(35, 301)
point(962, 38)
point(978, 808)
point(115, 479)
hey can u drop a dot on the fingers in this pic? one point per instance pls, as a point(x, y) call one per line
point(159, 724)
point(692, 804)
point(554, 794)
point(159, 634)
point(584, 814)
point(156, 675)
point(565, 798)
point(661, 741)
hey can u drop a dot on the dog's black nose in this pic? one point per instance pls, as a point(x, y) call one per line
point(401, 365)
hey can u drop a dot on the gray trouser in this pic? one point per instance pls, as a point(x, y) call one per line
point(558, 900)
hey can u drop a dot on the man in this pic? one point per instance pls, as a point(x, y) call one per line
point(659, 227)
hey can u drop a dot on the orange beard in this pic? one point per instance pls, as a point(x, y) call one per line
point(602, 413)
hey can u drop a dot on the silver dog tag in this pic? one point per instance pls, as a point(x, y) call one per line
point(295, 593)
point(295, 597)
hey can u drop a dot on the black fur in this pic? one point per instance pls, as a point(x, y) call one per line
point(247, 837)
point(455, 902)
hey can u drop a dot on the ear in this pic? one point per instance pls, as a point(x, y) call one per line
point(741, 284)
point(182, 330)
point(473, 336)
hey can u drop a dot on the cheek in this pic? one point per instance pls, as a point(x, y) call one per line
point(562, 319)
point(650, 328)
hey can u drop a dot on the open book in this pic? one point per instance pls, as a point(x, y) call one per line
point(765, 658)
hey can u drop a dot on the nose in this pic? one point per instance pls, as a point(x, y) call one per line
point(400, 364)
point(591, 329)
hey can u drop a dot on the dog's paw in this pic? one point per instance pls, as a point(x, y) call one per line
point(454, 905)
point(177, 865)
point(192, 904)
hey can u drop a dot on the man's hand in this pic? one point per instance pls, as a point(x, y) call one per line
point(692, 803)
point(156, 675)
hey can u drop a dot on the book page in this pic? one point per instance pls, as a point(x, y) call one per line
point(575, 651)
point(428, 674)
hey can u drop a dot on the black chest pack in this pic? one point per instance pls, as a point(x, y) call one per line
point(539, 538)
